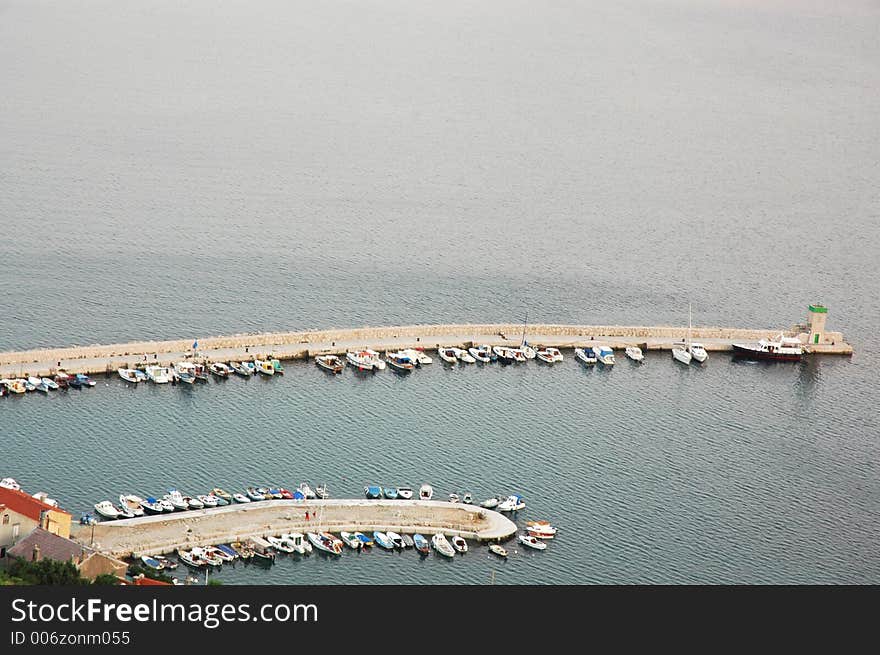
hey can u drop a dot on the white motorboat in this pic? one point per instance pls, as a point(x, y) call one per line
point(467, 498)
point(265, 367)
point(459, 544)
point(512, 503)
point(322, 491)
point(191, 558)
point(382, 539)
point(782, 348)
point(442, 546)
point(418, 356)
point(194, 503)
point(491, 503)
point(220, 370)
point(240, 369)
point(454, 498)
point(306, 491)
point(132, 503)
point(106, 509)
point(680, 353)
point(404, 493)
point(464, 355)
point(129, 374)
point(540, 529)
point(481, 353)
point(208, 500)
point(240, 498)
point(330, 363)
point(395, 539)
point(498, 549)
point(378, 362)
point(325, 543)
point(351, 540)
point(297, 540)
point(36, 383)
point(698, 352)
point(10, 483)
point(532, 542)
point(186, 372)
point(605, 355)
point(527, 350)
point(634, 353)
point(447, 355)
point(176, 499)
point(14, 386)
point(51, 384)
point(220, 553)
point(154, 506)
point(400, 362)
point(426, 492)
point(361, 360)
point(550, 355)
point(281, 544)
point(158, 374)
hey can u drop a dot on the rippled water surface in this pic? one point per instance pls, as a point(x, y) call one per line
point(178, 170)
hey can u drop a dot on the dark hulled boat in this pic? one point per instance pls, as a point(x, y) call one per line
point(781, 349)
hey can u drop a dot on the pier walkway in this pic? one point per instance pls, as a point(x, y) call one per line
point(164, 533)
point(297, 345)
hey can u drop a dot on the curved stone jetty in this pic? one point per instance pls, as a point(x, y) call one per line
point(295, 345)
point(164, 533)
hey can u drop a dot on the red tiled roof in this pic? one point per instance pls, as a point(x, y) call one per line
point(145, 581)
point(24, 504)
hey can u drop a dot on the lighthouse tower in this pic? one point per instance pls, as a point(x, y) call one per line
point(818, 314)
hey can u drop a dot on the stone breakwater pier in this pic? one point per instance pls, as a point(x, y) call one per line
point(305, 344)
point(160, 534)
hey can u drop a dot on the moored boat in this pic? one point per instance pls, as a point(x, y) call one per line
point(407, 541)
point(373, 491)
point(464, 355)
point(421, 544)
point(634, 353)
point(404, 493)
point(366, 542)
point(550, 355)
point(191, 558)
point(85, 380)
point(377, 361)
point(129, 374)
point(396, 539)
point(220, 370)
point(325, 543)
point(106, 509)
point(426, 492)
point(223, 495)
point(382, 539)
point(240, 369)
point(481, 353)
point(208, 500)
point(361, 360)
point(350, 540)
point(399, 362)
point(390, 493)
point(782, 348)
point(186, 372)
point(151, 505)
point(276, 364)
point(531, 542)
point(454, 498)
point(605, 355)
point(512, 503)
point(330, 363)
point(158, 374)
point(240, 498)
point(680, 353)
point(491, 503)
point(442, 546)
point(418, 356)
point(51, 384)
point(447, 355)
point(459, 544)
point(132, 503)
point(152, 563)
point(586, 355)
point(264, 367)
point(498, 549)
point(540, 529)
point(698, 352)
point(306, 490)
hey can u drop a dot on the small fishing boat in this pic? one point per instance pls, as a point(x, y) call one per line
point(15, 386)
point(467, 498)
point(698, 352)
point(518, 355)
point(30, 386)
point(395, 539)
point(152, 563)
point(72, 381)
point(267, 495)
point(34, 382)
point(426, 492)
point(240, 369)
point(454, 498)
point(62, 380)
point(298, 541)
point(165, 504)
point(129, 374)
point(190, 558)
point(442, 546)
point(306, 490)
point(241, 498)
point(361, 360)
point(255, 494)
point(224, 496)
point(390, 493)
point(85, 380)
point(513, 503)
point(532, 542)
point(243, 551)
point(10, 483)
point(219, 553)
point(132, 503)
point(498, 549)
point(106, 509)
point(350, 540)
point(378, 364)
point(275, 493)
point(459, 544)
point(276, 364)
point(220, 370)
point(421, 544)
point(207, 500)
point(680, 353)
point(404, 493)
point(250, 366)
point(158, 374)
point(286, 494)
point(208, 556)
point(186, 372)
point(194, 503)
point(481, 354)
point(491, 503)
point(550, 355)
point(372, 492)
point(407, 541)
point(41, 387)
point(527, 350)
point(330, 363)
point(447, 355)
point(322, 491)
point(382, 539)
point(418, 356)
point(540, 529)
point(169, 565)
point(605, 355)
point(201, 373)
point(51, 384)
point(366, 542)
point(264, 367)
point(262, 550)
point(281, 544)
point(124, 512)
point(176, 498)
point(152, 506)
point(228, 550)
point(464, 355)
point(325, 543)
point(399, 362)
point(634, 353)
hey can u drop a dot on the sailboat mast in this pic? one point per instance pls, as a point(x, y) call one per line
point(689, 324)
point(525, 320)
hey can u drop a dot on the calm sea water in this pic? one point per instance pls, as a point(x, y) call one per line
point(187, 170)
